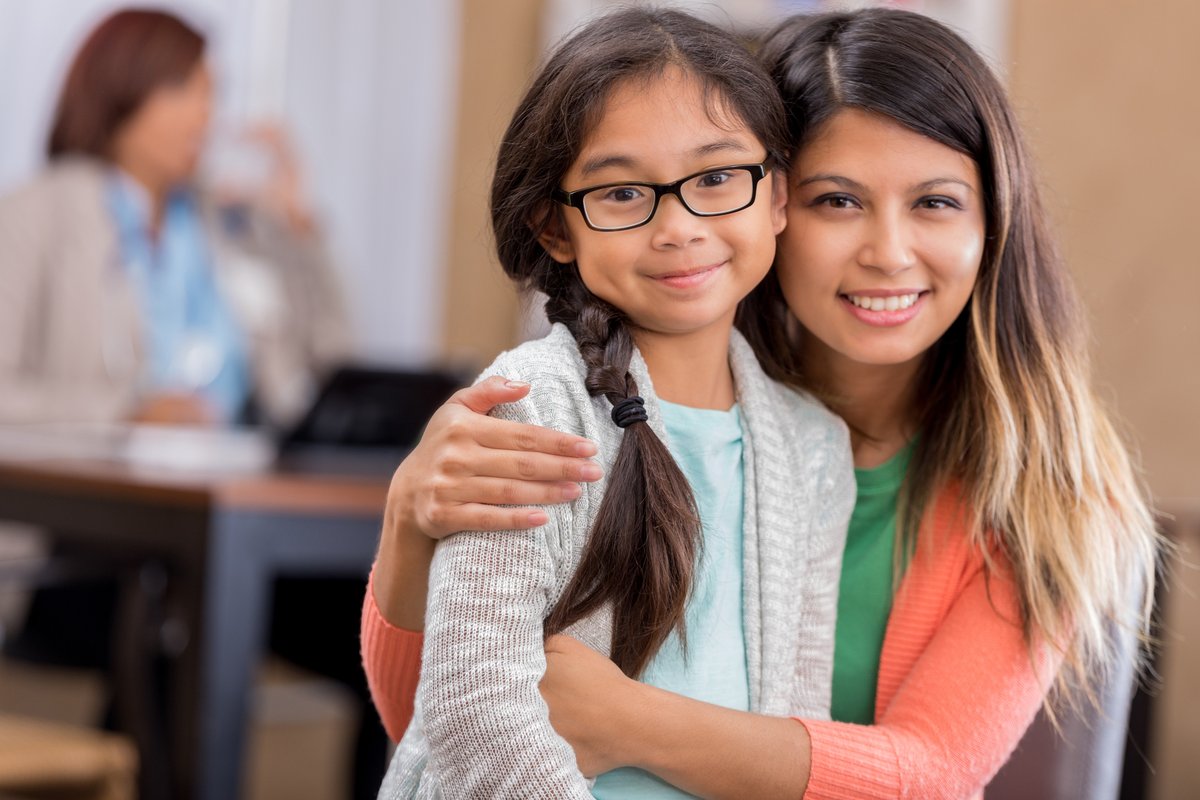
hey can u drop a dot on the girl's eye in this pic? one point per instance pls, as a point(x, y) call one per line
point(836, 201)
point(710, 180)
point(622, 194)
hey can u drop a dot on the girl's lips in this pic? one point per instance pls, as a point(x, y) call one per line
point(883, 318)
point(686, 279)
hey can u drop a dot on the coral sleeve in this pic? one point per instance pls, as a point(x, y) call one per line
point(391, 657)
point(958, 687)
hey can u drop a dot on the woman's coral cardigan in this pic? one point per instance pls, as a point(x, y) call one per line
point(957, 683)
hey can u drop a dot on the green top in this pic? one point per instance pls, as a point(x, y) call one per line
point(865, 598)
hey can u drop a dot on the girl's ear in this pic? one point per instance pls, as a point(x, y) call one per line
point(555, 240)
point(779, 198)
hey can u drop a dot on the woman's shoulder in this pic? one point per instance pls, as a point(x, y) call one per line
point(59, 187)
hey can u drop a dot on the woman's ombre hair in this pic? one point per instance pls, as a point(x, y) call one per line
point(1007, 409)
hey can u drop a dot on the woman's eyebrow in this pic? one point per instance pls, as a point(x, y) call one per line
point(853, 185)
point(930, 184)
point(840, 180)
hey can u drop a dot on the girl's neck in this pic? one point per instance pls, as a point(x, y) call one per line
point(878, 402)
point(690, 369)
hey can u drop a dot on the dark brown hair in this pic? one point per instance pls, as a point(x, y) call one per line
point(641, 551)
point(127, 56)
point(1006, 407)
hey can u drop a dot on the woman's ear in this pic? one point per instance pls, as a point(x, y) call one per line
point(779, 198)
point(554, 238)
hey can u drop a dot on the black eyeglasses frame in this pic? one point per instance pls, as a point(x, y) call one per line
point(574, 198)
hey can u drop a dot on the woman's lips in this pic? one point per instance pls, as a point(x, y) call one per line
point(884, 309)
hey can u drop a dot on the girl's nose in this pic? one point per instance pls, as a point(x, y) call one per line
point(674, 225)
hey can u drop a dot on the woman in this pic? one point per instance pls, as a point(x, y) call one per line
point(920, 294)
point(131, 294)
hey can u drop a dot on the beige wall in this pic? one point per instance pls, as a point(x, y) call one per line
point(1108, 94)
point(500, 46)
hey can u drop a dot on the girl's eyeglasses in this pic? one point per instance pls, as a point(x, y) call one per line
point(621, 206)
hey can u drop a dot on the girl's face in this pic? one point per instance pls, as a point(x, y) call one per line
point(884, 239)
point(679, 273)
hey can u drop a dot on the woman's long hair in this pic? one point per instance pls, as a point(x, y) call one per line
point(641, 552)
point(127, 56)
point(1006, 404)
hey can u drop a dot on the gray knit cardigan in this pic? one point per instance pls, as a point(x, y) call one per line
point(481, 729)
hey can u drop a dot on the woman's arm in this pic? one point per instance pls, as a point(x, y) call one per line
point(464, 462)
point(954, 720)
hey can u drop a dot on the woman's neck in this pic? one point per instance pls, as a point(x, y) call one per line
point(878, 402)
point(690, 369)
point(154, 188)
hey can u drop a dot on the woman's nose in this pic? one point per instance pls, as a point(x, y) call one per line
point(888, 247)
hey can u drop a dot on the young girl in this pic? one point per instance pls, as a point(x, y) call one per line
point(635, 189)
point(928, 306)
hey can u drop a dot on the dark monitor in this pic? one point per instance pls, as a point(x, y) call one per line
point(365, 419)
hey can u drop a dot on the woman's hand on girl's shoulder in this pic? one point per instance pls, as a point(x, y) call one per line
point(467, 465)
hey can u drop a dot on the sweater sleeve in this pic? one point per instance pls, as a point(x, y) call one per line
point(391, 658)
point(955, 718)
point(487, 725)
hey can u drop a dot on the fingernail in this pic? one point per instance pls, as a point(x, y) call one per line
point(537, 518)
point(571, 491)
point(585, 449)
point(590, 472)
point(516, 384)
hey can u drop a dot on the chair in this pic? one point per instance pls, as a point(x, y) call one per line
point(1085, 760)
point(48, 760)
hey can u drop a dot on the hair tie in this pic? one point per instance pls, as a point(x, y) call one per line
point(628, 411)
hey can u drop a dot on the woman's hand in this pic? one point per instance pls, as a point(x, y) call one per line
point(466, 465)
point(588, 696)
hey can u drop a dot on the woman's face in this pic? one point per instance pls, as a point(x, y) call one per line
point(884, 237)
point(163, 139)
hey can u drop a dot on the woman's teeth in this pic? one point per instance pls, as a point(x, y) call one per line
point(893, 303)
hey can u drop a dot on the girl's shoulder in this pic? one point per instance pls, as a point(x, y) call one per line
point(555, 356)
point(558, 397)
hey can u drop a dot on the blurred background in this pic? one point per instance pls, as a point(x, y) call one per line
point(394, 109)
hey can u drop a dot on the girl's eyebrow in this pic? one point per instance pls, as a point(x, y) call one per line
point(604, 160)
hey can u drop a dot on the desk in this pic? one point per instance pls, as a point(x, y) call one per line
point(221, 540)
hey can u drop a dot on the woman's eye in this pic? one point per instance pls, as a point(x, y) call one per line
point(937, 203)
point(838, 201)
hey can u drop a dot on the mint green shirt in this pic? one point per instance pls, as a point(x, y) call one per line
point(707, 445)
point(865, 599)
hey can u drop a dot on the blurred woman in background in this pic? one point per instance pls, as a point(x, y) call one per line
point(132, 293)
